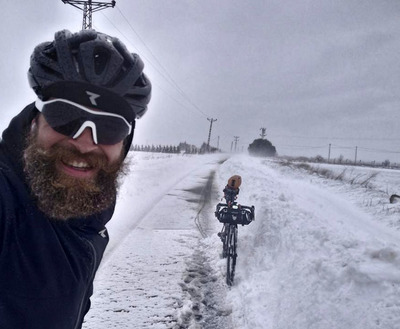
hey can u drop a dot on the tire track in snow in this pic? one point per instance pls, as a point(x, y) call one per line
point(151, 204)
point(204, 306)
point(205, 199)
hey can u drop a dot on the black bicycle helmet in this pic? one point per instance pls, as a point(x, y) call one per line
point(91, 57)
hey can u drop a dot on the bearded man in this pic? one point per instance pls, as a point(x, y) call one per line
point(60, 162)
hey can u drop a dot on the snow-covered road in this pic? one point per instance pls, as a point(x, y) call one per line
point(153, 262)
point(317, 256)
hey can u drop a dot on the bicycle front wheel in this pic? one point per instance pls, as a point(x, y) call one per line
point(231, 254)
point(225, 240)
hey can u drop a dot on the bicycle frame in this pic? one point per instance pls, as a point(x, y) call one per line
point(232, 214)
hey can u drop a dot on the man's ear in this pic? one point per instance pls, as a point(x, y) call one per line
point(34, 124)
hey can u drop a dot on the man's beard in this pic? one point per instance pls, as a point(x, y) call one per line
point(61, 196)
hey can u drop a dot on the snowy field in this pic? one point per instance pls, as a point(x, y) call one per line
point(323, 252)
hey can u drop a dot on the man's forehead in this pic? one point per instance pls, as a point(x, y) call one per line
point(89, 95)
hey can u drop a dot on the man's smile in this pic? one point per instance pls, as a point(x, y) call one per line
point(78, 169)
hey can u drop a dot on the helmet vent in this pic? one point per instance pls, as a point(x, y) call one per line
point(50, 53)
point(101, 58)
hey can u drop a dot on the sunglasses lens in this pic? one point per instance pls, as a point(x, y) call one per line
point(66, 119)
point(63, 117)
point(111, 130)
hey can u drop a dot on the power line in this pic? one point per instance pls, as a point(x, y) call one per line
point(166, 75)
point(339, 138)
point(378, 150)
point(342, 147)
point(303, 146)
point(168, 78)
point(149, 61)
point(339, 147)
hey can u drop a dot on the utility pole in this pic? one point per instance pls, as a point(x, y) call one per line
point(88, 7)
point(263, 132)
point(236, 140)
point(355, 157)
point(329, 153)
point(209, 133)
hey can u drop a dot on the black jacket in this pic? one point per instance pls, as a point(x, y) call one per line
point(47, 267)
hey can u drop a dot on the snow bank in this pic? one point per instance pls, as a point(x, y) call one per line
point(312, 259)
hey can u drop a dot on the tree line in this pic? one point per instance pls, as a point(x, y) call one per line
point(181, 148)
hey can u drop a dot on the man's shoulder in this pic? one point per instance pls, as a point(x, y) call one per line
point(5, 174)
point(6, 171)
point(11, 185)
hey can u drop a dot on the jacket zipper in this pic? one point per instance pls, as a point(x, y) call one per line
point(91, 280)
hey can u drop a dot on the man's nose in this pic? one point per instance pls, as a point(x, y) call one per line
point(84, 142)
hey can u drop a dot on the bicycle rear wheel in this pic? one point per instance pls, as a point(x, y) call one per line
point(231, 254)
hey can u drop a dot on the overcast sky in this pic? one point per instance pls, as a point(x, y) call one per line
point(313, 73)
